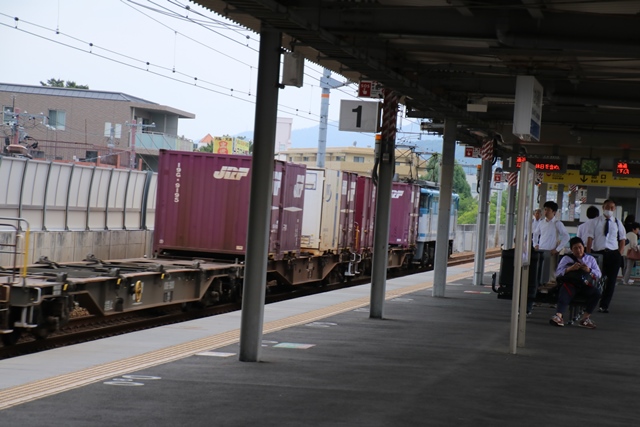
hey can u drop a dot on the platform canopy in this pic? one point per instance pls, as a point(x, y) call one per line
point(460, 59)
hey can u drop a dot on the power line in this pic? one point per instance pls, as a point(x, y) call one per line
point(232, 94)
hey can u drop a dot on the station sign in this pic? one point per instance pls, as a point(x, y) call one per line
point(626, 168)
point(359, 116)
point(527, 111)
point(542, 163)
point(603, 179)
point(369, 89)
point(473, 152)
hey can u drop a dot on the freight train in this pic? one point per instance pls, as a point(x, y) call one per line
point(321, 232)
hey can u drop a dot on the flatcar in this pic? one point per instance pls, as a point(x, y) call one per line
point(321, 232)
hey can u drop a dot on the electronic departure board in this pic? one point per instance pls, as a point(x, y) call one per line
point(626, 168)
point(543, 163)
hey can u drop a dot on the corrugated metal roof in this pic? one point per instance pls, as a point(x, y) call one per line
point(73, 93)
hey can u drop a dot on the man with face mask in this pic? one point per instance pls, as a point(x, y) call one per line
point(606, 236)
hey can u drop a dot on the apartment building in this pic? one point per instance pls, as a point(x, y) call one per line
point(356, 159)
point(111, 128)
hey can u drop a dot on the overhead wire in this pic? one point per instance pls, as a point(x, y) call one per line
point(297, 111)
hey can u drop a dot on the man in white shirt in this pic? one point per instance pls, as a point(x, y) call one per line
point(606, 236)
point(537, 217)
point(592, 212)
point(550, 235)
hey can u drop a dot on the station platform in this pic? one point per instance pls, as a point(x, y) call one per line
point(324, 362)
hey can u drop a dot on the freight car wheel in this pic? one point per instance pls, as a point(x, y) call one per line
point(11, 338)
point(41, 333)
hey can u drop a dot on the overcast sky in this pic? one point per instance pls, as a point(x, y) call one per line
point(219, 57)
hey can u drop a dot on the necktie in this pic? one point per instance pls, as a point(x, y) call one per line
point(606, 227)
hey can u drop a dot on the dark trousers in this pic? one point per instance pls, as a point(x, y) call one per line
point(610, 265)
point(568, 291)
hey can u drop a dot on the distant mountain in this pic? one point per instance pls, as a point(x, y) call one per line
point(308, 138)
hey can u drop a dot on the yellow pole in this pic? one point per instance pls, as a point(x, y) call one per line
point(26, 253)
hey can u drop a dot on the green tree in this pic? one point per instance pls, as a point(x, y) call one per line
point(470, 216)
point(468, 206)
point(460, 184)
point(206, 148)
point(62, 83)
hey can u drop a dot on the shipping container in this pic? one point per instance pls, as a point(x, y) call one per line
point(329, 206)
point(404, 214)
point(365, 212)
point(288, 189)
point(203, 205)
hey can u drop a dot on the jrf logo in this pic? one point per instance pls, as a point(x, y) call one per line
point(396, 194)
point(231, 172)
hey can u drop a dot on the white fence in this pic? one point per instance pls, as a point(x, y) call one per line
point(466, 237)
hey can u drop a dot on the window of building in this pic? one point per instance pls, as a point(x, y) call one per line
point(358, 159)
point(305, 158)
point(340, 158)
point(91, 156)
point(7, 114)
point(57, 119)
point(290, 159)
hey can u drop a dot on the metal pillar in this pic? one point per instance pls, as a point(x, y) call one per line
point(385, 152)
point(324, 114)
point(511, 217)
point(572, 206)
point(542, 194)
point(483, 222)
point(444, 210)
point(260, 202)
point(560, 200)
point(326, 83)
point(496, 242)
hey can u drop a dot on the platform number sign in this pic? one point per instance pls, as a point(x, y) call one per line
point(359, 116)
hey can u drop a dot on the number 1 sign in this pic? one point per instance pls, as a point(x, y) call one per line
point(359, 116)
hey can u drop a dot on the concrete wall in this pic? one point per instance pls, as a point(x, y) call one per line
point(69, 246)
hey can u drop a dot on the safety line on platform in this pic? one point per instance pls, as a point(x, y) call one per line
point(47, 387)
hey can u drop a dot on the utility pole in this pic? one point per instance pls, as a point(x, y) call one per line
point(15, 137)
point(134, 126)
point(112, 137)
point(326, 83)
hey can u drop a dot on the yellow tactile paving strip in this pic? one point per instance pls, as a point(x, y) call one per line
point(42, 388)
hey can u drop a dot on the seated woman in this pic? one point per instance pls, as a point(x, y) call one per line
point(577, 273)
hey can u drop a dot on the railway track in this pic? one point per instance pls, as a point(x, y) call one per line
point(88, 328)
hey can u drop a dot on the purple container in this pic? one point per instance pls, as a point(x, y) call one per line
point(364, 213)
point(404, 214)
point(203, 205)
point(346, 237)
point(287, 208)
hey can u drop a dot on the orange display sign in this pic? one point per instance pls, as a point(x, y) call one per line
point(222, 145)
point(627, 168)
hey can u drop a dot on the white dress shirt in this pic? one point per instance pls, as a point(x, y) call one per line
point(610, 241)
point(550, 235)
point(583, 231)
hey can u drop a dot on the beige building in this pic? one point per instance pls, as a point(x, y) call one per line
point(87, 125)
point(355, 159)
